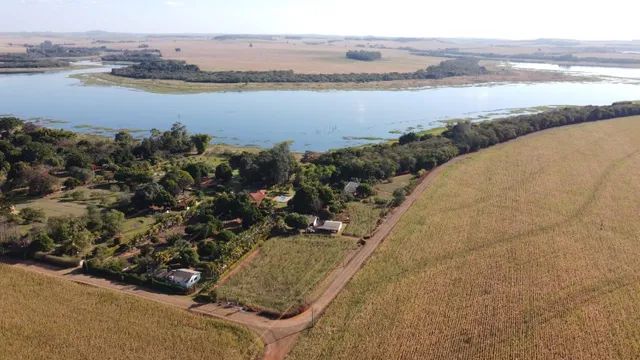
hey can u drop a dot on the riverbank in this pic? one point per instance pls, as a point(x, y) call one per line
point(497, 75)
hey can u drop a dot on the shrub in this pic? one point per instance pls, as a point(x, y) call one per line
point(296, 221)
point(399, 195)
point(78, 195)
point(41, 242)
point(30, 215)
point(226, 236)
point(71, 183)
point(83, 175)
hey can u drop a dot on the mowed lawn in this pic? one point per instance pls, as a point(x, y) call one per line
point(527, 250)
point(46, 318)
point(283, 276)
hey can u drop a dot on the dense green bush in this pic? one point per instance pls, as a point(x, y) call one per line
point(364, 55)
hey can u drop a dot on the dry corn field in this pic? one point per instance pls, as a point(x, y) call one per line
point(527, 250)
point(47, 318)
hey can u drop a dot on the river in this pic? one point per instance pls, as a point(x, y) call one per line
point(313, 120)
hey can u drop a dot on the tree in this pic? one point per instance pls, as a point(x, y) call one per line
point(296, 221)
point(124, 138)
point(37, 152)
point(152, 195)
point(41, 183)
point(224, 172)
point(201, 141)
point(204, 230)
point(306, 200)
point(81, 174)
point(186, 255)
point(210, 249)
point(133, 176)
point(176, 181)
point(8, 124)
point(112, 221)
point(282, 164)
point(71, 233)
point(75, 158)
point(407, 138)
point(399, 196)
point(197, 171)
point(271, 167)
point(365, 190)
point(176, 140)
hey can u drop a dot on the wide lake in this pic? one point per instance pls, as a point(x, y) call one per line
point(313, 120)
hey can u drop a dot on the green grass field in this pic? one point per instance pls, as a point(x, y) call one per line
point(47, 318)
point(134, 226)
point(363, 218)
point(385, 190)
point(526, 250)
point(285, 273)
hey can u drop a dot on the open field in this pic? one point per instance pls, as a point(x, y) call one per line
point(385, 190)
point(524, 250)
point(363, 218)
point(46, 318)
point(283, 276)
point(300, 55)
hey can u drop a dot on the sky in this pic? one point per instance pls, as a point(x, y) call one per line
point(506, 19)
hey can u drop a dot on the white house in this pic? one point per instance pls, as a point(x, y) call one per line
point(185, 278)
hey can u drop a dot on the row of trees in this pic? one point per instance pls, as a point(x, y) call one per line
point(10, 61)
point(474, 136)
point(177, 70)
point(134, 55)
point(414, 152)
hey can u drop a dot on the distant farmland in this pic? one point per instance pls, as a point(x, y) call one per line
point(527, 250)
point(46, 318)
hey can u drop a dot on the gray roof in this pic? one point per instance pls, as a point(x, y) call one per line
point(330, 225)
point(351, 187)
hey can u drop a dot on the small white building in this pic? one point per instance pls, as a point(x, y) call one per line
point(185, 278)
point(329, 226)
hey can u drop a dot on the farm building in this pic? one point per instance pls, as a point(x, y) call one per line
point(185, 278)
point(328, 226)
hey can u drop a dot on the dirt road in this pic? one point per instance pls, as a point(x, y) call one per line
point(278, 334)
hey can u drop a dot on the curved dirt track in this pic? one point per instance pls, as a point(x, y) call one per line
point(279, 335)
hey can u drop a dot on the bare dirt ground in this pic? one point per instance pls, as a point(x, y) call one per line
point(318, 54)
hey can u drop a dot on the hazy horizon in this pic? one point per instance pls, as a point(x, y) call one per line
point(492, 19)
